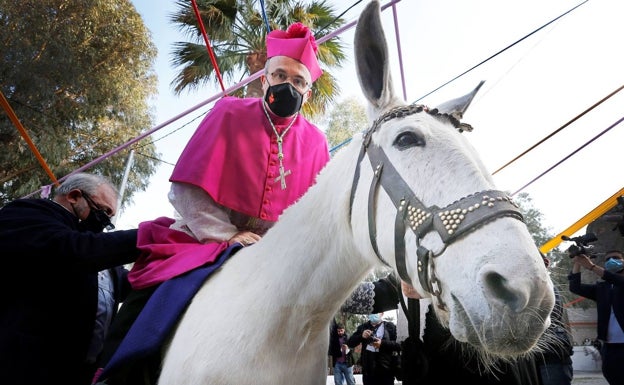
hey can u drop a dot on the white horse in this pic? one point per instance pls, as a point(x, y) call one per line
point(410, 193)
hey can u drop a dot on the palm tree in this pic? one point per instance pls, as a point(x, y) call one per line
point(237, 30)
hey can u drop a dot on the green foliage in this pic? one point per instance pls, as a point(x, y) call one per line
point(237, 34)
point(345, 119)
point(78, 75)
point(560, 262)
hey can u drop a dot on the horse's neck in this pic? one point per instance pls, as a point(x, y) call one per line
point(310, 253)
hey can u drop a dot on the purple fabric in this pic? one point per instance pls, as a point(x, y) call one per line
point(161, 313)
point(167, 253)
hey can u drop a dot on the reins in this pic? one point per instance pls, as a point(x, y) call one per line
point(450, 223)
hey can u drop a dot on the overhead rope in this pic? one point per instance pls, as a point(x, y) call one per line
point(264, 17)
point(323, 28)
point(22, 130)
point(570, 155)
point(499, 52)
point(475, 66)
point(560, 128)
point(399, 51)
point(213, 59)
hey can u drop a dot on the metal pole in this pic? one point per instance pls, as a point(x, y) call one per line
point(124, 182)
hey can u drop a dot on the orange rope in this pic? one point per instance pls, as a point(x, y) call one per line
point(579, 299)
point(213, 59)
point(22, 130)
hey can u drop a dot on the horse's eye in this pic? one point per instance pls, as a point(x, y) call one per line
point(409, 139)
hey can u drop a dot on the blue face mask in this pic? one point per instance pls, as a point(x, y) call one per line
point(374, 318)
point(614, 265)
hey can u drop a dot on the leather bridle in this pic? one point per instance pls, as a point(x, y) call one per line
point(450, 223)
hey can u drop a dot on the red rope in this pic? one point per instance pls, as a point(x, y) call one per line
point(579, 299)
point(208, 46)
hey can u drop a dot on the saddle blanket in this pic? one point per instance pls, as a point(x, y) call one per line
point(161, 313)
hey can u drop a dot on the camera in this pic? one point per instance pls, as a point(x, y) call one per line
point(371, 338)
point(581, 244)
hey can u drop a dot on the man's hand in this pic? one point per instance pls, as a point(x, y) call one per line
point(245, 238)
point(584, 261)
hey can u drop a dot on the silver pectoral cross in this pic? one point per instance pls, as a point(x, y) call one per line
point(282, 177)
point(280, 156)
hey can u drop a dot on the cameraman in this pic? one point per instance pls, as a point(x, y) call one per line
point(609, 297)
point(378, 339)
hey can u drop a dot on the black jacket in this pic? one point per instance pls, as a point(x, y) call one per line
point(450, 361)
point(383, 358)
point(605, 293)
point(335, 350)
point(49, 291)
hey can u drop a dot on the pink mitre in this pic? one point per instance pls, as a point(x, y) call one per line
point(297, 43)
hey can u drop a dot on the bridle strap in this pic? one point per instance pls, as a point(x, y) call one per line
point(423, 254)
point(399, 246)
point(356, 175)
point(450, 223)
point(372, 210)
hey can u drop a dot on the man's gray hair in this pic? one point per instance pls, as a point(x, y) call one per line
point(86, 182)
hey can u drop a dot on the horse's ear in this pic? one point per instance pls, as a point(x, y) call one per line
point(371, 57)
point(458, 106)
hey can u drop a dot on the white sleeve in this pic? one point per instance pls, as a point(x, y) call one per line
point(199, 215)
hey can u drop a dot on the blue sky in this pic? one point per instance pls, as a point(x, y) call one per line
point(531, 90)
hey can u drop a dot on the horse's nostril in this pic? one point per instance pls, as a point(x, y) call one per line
point(497, 288)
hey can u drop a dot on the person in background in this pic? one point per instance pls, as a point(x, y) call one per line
point(378, 340)
point(53, 250)
point(341, 354)
point(248, 160)
point(555, 361)
point(609, 297)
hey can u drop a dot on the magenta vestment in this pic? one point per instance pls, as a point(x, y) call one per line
point(233, 157)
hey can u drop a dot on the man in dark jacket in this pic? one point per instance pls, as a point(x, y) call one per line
point(609, 297)
point(342, 356)
point(53, 250)
point(378, 339)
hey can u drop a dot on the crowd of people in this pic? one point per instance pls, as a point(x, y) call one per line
point(248, 160)
point(439, 358)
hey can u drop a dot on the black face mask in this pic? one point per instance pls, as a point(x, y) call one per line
point(96, 222)
point(283, 99)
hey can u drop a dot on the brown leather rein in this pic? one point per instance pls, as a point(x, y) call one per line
point(450, 223)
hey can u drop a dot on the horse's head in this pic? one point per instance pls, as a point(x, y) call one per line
point(435, 216)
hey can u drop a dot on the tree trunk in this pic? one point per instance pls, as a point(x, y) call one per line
point(255, 62)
